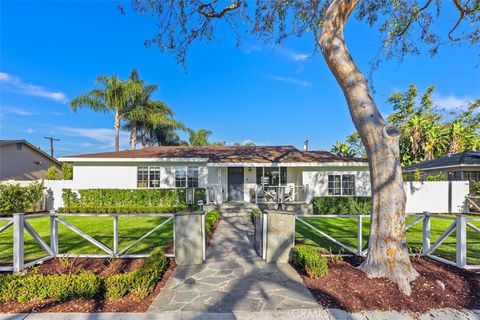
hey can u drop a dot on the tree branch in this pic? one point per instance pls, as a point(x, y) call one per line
point(211, 13)
point(413, 18)
point(463, 11)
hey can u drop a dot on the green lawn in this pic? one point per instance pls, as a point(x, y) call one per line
point(100, 228)
point(345, 231)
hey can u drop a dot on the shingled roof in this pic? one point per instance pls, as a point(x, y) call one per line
point(224, 154)
point(467, 158)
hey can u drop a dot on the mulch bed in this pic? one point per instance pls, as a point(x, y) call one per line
point(345, 287)
point(101, 267)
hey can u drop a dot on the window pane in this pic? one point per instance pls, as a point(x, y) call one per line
point(180, 177)
point(142, 177)
point(154, 177)
point(192, 175)
point(259, 175)
point(348, 185)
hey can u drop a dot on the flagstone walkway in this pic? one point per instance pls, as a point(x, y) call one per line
point(233, 278)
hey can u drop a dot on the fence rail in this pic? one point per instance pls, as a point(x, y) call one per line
point(460, 224)
point(19, 223)
point(281, 194)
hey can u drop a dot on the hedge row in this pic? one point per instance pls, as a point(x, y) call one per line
point(115, 209)
point(128, 197)
point(15, 198)
point(310, 260)
point(342, 205)
point(84, 285)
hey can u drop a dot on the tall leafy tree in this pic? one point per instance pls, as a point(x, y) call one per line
point(405, 25)
point(112, 96)
point(342, 149)
point(428, 132)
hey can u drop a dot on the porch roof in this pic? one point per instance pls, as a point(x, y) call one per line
point(219, 154)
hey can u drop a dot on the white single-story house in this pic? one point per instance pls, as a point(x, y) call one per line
point(228, 173)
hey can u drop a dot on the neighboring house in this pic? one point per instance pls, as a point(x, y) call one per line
point(229, 173)
point(22, 161)
point(463, 166)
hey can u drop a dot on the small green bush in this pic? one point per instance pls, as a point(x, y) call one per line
point(140, 282)
point(342, 205)
point(14, 198)
point(310, 260)
point(38, 287)
point(150, 272)
point(210, 220)
point(117, 286)
point(52, 173)
point(67, 171)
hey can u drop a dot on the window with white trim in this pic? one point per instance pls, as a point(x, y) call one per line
point(148, 177)
point(186, 177)
point(341, 185)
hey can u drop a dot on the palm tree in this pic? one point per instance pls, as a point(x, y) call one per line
point(146, 118)
point(113, 95)
point(199, 137)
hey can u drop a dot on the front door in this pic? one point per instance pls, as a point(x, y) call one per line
point(235, 184)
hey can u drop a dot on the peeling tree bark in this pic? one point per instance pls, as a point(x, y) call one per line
point(117, 130)
point(388, 252)
point(133, 136)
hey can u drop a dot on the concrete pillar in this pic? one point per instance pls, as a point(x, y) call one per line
point(280, 235)
point(189, 238)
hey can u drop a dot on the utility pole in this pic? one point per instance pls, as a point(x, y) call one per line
point(51, 144)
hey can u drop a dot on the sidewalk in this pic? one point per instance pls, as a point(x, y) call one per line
point(294, 314)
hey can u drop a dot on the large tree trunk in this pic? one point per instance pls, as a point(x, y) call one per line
point(387, 250)
point(117, 130)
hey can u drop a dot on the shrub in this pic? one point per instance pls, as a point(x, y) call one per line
point(67, 171)
point(37, 287)
point(14, 198)
point(210, 220)
point(342, 205)
point(140, 282)
point(52, 173)
point(436, 177)
point(310, 260)
point(150, 272)
point(117, 286)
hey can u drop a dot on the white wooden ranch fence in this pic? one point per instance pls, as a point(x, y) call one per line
point(19, 222)
point(459, 224)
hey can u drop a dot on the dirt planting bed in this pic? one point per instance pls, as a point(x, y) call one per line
point(101, 267)
point(438, 286)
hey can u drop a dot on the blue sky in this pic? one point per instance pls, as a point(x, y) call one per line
point(52, 51)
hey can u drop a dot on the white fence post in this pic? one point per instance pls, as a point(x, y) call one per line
point(53, 231)
point(359, 235)
point(204, 236)
point(115, 234)
point(426, 234)
point(461, 241)
point(18, 241)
